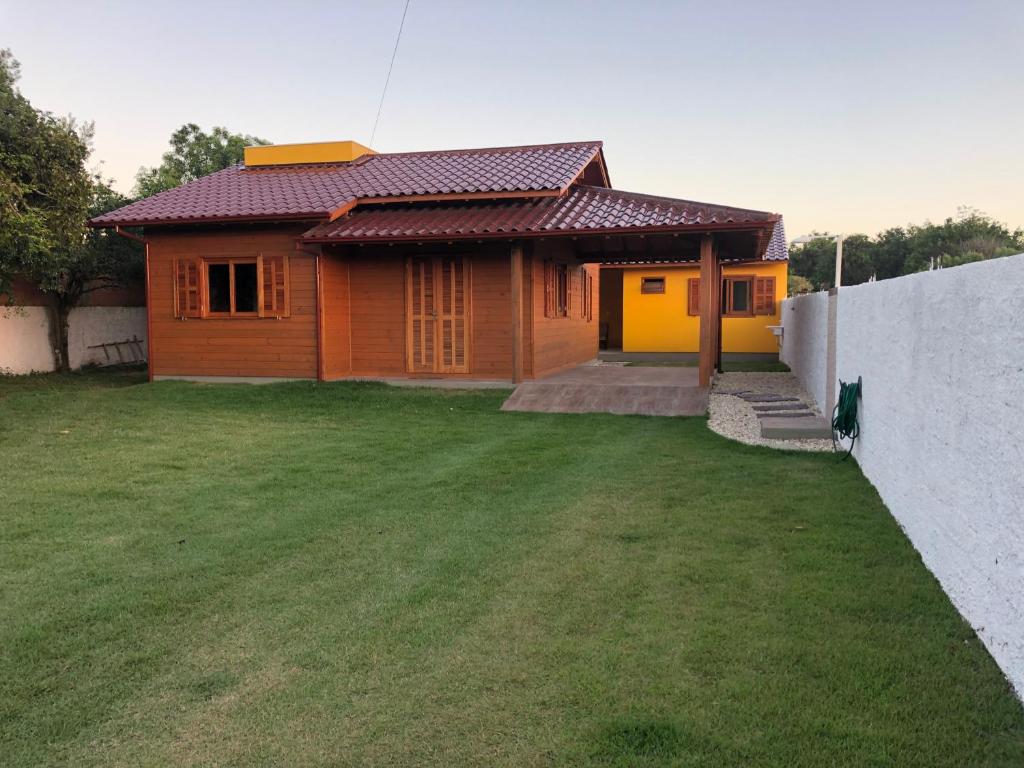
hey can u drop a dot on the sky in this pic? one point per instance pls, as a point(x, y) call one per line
point(844, 117)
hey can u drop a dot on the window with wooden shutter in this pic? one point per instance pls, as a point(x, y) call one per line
point(693, 296)
point(738, 296)
point(556, 290)
point(764, 296)
point(186, 288)
point(274, 286)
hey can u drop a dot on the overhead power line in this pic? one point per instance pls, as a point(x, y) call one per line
point(387, 80)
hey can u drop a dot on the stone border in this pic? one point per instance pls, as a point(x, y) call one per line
point(735, 418)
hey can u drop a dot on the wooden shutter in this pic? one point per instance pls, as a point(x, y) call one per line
point(570, 289)
point(421, 314)
point(693, 296)
point(764, 296)
point(186, 288)
point(454, 294)
point(549, 289)
point(588, 296)
point(272, 275)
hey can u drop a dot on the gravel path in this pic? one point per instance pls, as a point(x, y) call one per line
point(735, 418)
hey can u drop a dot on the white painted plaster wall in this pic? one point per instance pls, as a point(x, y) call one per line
point(804, 341)
point(98, 325)
point(25, 340)
point(942, 428)
point(25, 343)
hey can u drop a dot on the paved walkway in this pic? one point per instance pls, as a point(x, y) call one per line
point(647, 391)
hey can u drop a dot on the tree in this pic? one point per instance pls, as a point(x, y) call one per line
point(44, 187)
point(798, 285)
point(193, 154)
point(969, 236)
point(101, 259)
point(46, 198)
point(815, 260)
point(858, 260)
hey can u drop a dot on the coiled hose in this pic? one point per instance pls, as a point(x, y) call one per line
point(844, 415)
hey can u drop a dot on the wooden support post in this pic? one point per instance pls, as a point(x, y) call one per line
point(517, 312)
point(318, 257)
point(718, 312)
point(710, 313)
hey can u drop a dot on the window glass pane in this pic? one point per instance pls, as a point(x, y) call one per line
point(218, 278)
point(652, 285)
point(245, 287)
point(741, 296)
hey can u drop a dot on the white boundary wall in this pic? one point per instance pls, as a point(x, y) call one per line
point(805, 341)
point(942, 424)
point(25, 344)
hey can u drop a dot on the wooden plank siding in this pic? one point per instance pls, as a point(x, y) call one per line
point(363, 329)
point(377, 284)
point(336, 344)
point(376, 328)
point(561, 342)
point(250, 346)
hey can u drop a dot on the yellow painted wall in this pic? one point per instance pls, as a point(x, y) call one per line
point(658, 322)
point(316, 152)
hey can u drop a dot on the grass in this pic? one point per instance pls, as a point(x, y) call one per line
point(348, 574)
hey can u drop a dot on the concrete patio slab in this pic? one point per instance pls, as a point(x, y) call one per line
point(806, 428)
point(646, 391)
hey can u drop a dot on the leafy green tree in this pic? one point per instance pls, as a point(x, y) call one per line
point(798, 285)
point(101, 259)
point(46, 198)
point(193, 154)
point(969, 236)
point(815, 260)
point(44, 187)
point(890, 254)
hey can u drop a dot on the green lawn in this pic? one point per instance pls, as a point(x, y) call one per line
point(349, 574)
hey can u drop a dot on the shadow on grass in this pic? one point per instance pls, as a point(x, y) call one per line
point(91, 377)
point(625, 742)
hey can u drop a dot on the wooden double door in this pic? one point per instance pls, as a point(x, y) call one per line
point(437, 314)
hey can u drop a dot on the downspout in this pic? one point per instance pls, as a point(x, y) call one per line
point(149, 303)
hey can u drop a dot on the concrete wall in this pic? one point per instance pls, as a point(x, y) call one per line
point(805, 341)
point(942, 426)
point(25, 340)
point(25, 343)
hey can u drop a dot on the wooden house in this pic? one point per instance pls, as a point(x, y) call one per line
point(330, 261)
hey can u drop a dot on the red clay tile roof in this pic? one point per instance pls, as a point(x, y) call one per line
point(583, 210)
point(316, 191)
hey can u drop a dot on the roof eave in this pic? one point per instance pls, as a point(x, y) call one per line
point(312, 216)
point(674, 229)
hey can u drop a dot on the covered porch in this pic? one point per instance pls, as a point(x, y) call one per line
point(528, 272)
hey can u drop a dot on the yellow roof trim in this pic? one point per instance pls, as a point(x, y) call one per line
point(300, 154)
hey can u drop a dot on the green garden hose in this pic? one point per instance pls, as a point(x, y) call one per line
point(844, 416)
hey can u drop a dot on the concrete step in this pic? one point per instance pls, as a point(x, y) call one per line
point(806, 428)
point(769, 399)
point(779, 407)
point(787, 415)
